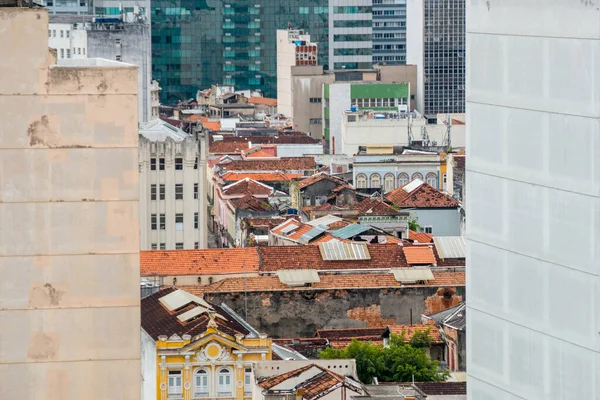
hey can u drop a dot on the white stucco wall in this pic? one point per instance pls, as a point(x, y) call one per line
point(148, 367)
point(444, 222)
point(533, 188)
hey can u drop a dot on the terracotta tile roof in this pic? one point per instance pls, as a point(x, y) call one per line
point(280, 164)
point(459, 161)
point(442, 388)
point(410, 330)
point(373, 206)
point(235, 144)
point(351, 333)
point(263, 222)
point(424, 196)
point(214, 126)
point(263, 153)
point(319, 177)
point(263, 100)
point(249, 202)
point(267, 283)
point(157, 320)
point(194, 118)
point(198, 262)
point(245, 187)
point(274, 258)
point(420, 237)
point(323, 383)
point(275, 380)
point(272, 176)
point(419, 255)
point(308, 347)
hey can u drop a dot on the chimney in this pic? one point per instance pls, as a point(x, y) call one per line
point(249, 144)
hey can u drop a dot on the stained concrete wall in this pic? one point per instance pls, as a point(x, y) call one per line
point(69, 232)
point(299, 313)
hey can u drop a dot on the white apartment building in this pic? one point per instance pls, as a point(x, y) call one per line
point(172, 188)
point(533, 188)
point(68, 41)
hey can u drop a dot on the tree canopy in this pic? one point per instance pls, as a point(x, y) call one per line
point(399, 361)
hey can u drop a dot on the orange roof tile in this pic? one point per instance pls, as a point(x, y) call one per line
point(420, 237)
point(424, 196)
point(278, 164)
point(247, 186)
point(319, 177)
point(268, 176)
point(419, 255)
point(271, 283)
point(263, 100)
point(212, 125)
point(410, 330)
point(198, 262)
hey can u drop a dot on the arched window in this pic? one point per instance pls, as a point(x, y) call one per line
point(403, 179)
point(361, 181)
point(432, 179)
point(375, 181)
point(388, 182)
point(417, 175)
point(225, 382)
point(201, 383)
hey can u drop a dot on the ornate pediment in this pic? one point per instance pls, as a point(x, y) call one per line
point(213, 351)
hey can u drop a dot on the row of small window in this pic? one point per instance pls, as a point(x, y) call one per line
point(63, 34)
point(353, 52)
point(161, 164)
point(389, 36)
point(160, 220)
point(389, 47)
point(200, 387)
point(390, 180)
point(389, 24)
point(380, 102)
point(178, 192)
point(250, 25)
point(352, 38)
point(117, 11)
point(389, 12)
point(389, 1)
point(316, 10)
point(67, 54)
point(178, 246)
point(63, 3)
point(314, 121)
point(389, 58)
point(353, 10)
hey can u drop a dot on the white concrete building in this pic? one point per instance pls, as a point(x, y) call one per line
point(68, 42)
point(172, 188)
point(533, 206)
point(69, 220)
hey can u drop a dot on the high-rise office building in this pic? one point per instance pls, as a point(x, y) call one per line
point(350, 34)
point(76, 7)
point(533, 209)
point(69, 220)
point(196, 45)
point(437, 45)
point(389, 31)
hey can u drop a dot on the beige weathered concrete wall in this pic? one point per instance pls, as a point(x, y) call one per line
point(69, 221)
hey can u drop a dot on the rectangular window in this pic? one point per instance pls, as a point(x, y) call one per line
point(62, 53)
point(163, 222)
point(196, 163)
point(428, 229)
point(195, 191)
point(68, 52)
point(161, 164)
point(196, 245)
point(67, 33)
point(179, 191)
point(62, 33)
point(162, 246)
point(195, 220)
point(174, 388)
point(153, 246)
point(153, 164)
point(178, 222)
point(161, 192)
point(179, 164)
point(153, 222)
point(315, 100)
point(178, 246)
point(247, 382)
point(118, 58)
point(152, 192)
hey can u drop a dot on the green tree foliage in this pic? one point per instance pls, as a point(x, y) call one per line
point(398, 362)
point(413, 224)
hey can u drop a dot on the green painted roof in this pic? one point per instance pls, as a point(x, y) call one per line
point(379, 90)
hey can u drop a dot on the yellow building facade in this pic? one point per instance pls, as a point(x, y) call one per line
point(202, 351)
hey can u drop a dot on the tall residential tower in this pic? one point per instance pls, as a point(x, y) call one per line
point(533, 209)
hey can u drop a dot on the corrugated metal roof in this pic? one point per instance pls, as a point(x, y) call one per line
point(325, 220)
point(336, 251)
point(451, 246)
point(350, 231)
point(298, 277)
point(409, 187)
point(313, 233)
point(412, 275)
point(289, 228)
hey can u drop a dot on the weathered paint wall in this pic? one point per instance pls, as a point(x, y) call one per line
point(69, 225)
point(299, 313)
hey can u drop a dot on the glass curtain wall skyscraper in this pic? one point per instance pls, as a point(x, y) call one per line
point(196, 44)
point(389, 31)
